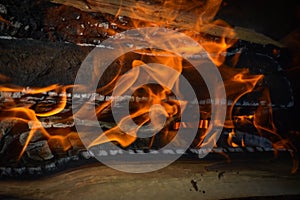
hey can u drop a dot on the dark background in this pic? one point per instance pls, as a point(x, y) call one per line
point(273, 18)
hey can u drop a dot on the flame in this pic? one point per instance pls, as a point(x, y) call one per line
point(264, 123)
point(203, 12)
point(25, 114)
point(155, 102)
point(229, 140)
point(217, 47)
point(237, 84)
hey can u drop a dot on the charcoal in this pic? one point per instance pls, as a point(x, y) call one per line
point(5, 171)
point(34, 170)
point(36, 136)
point(50, 167)
point(6, 143)
point(251, 140)
point(75, 142)
point(62, 162)
point(84, 157)
point(58, 147)
point(39, 151)
point(234, 150)
point(86, 154)
point(5, 127)
point(19, 171)
point(6, 139)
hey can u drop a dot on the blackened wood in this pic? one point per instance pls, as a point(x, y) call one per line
point(185, 14)
point(173, 16)
point(38, 63)
point(41, 63)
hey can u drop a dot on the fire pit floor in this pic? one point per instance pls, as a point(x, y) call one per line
point(185, 179)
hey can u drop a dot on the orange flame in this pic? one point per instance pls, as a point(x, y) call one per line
point(229, 140)
point(24, 114)
point(143, 112)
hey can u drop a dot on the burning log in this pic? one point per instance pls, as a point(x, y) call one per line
point(155, 11)
point(165, 14)
point(37, 64)
point(72, 150)
point(56, 57)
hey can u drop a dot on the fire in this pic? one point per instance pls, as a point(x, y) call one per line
point(229, 140)
point(14, 109)
point(217, 47)
point(263, 121)
point(239, 84)
point(154, 104)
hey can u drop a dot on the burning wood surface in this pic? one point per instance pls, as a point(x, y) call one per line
point(189, 15)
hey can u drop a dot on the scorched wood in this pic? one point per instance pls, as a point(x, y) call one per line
point(39, 63)
point(181, 16)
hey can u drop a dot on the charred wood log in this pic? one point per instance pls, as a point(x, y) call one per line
point(37, 64)
point(152, 11)
point(94, 21)
point(179, 16)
